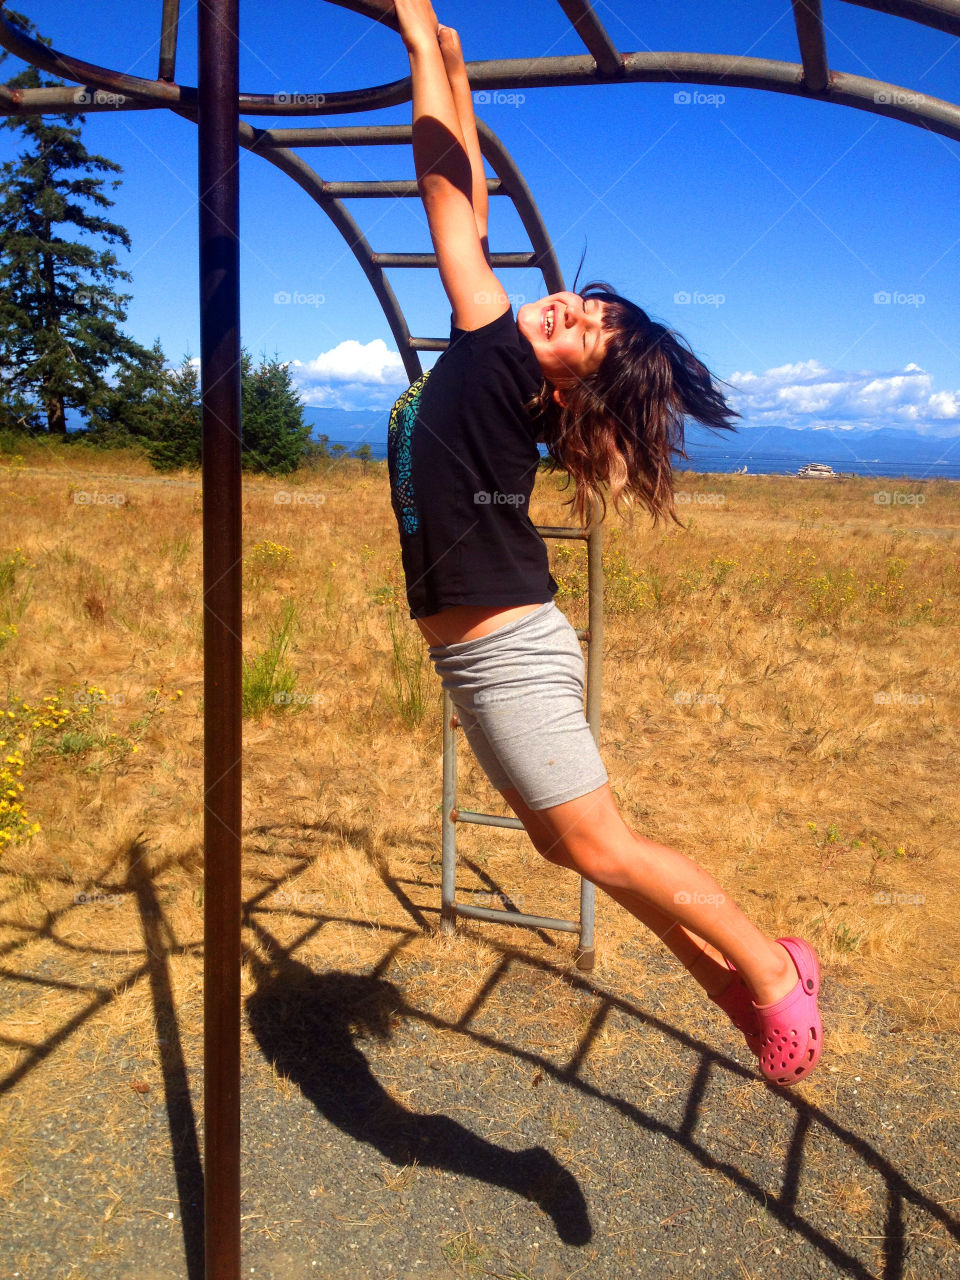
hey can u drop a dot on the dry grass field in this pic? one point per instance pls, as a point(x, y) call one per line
point(780, 703)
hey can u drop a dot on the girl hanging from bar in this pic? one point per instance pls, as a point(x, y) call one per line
point(607, 390)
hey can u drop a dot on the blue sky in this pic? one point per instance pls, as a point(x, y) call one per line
point(780, 218)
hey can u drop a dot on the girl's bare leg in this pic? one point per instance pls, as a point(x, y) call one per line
point(679, 901)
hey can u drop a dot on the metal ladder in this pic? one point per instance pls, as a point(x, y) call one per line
point(450, 909)
point(275, 146)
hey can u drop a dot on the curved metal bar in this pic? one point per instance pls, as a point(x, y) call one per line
point(942, 14)
point(896, 102)
point(158, 93)
point(513, 180)
point(593, 34)
point(378, 10)
point(311, 182)
point(155, 92)
point(808, 19)
point(865, 94)
point(63, 102)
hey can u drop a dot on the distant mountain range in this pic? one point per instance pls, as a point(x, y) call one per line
point(887, 452)
point(843, 449)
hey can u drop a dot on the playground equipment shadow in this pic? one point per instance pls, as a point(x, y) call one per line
point(384, 1137)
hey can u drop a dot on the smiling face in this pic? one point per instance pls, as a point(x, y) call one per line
point(567, 336)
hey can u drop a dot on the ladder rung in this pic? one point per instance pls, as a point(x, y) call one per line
point(363, 135)
point(403, 187)
point(429, 344)
point(488, 819)
point(516, 917)
point(561, 531)
point(430, 259)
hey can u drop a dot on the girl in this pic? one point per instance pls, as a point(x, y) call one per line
point(607, 390)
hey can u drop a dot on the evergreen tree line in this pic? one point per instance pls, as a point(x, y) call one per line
point(61, 311)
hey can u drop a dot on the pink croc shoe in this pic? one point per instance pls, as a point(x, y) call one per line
point(790, 1029)
point(737, 1003)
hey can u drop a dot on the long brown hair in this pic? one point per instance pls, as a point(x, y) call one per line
point(621, 425)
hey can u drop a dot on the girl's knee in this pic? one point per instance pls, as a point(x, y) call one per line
point(612, 862)
point(586, 835)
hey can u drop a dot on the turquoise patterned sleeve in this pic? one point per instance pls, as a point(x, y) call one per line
point(403, 415)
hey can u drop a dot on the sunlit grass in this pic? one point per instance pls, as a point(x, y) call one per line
point(788, 659)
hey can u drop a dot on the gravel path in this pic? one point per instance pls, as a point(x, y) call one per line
point(637, 1142)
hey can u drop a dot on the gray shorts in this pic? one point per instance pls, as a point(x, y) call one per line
point(518, 692)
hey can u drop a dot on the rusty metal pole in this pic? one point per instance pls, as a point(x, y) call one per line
point(169, 23)
point(222, 658)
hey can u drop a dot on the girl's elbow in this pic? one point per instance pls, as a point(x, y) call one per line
point(443, 199)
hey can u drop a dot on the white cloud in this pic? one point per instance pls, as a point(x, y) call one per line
point(807, 394)
point(802, 394)
point(945, 404)
point(350, 361)
point(807, 398)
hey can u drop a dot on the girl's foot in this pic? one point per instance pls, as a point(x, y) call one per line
point(779, 979)
point(736, 1002)
point(790, 1028)
point(784, 1033)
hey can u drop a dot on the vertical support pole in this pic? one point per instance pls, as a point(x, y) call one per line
point(587, 954)
point(222, 658)
point(169, 22)
point(448, 829)
point(595, 622)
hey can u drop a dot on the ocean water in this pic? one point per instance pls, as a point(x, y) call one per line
point(771, 463)
point(778, 465)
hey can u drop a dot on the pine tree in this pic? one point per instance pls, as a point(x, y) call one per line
point(176, 433)
point(134, 407)
point(59, 310)
point(275, 436)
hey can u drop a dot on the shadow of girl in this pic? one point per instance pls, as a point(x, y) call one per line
point(307, 1025)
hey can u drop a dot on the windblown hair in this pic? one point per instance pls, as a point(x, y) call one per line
point(621, 425)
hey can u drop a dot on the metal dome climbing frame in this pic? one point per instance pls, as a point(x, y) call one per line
point(215, 104)
point(603, 63)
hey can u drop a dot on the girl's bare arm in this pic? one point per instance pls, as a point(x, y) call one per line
point(463, 101)
point(446, 173)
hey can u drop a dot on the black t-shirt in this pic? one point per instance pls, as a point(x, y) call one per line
point(462, 458)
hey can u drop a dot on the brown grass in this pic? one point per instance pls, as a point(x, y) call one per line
point(741, 725)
